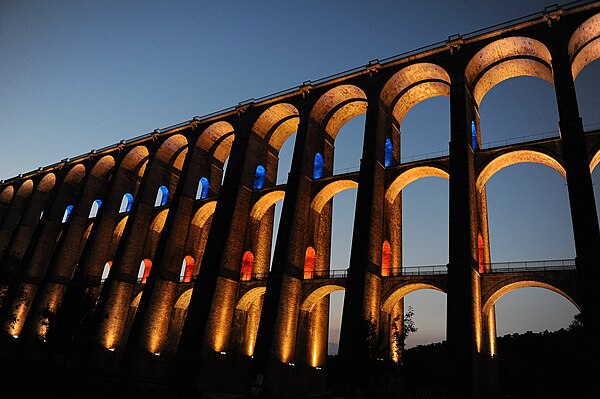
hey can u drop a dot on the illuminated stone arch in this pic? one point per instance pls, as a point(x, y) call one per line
point(317, 294)
point(117, 234)
point(403, 289)
point(514, 157)
point(264, 203)
point(504, 287)
point(248, 309)
point(584, 45)
point(156, 229)
point(183, 302)
point(204, 213)
point(507, 58)
point(75, 175)
point(103, 166)
point(26, 188)
point(7, 194)
point(329, 191)
point(411, 175)
point(277, 124)
point(217, 139)
point(135, 161)
point(46, 184)
point(337, 106)
point(411, 85)
point(595, 161)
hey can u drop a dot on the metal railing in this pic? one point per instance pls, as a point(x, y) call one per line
point(325, 274)
point(530, 265)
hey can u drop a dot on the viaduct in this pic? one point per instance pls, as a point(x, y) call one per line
point(141, 249)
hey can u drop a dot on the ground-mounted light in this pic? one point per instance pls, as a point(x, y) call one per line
point(111, 349)
point(15, 336)
point(156, 353)
point(291, 364)
point(223, 353)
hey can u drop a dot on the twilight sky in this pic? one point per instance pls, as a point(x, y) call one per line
point(78, 75)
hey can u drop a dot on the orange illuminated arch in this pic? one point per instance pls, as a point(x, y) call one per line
point(247, 265)
point(144, 272)
point(187, 269)
point(309, 263)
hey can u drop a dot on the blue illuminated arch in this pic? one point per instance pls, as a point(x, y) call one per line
point(203, 188)
point(95, 208)
point(126, 203)
point(474, 136)
point(162, 196)
point(259, 177)
point(318, 166)
point(389, 148)
point(67, 213)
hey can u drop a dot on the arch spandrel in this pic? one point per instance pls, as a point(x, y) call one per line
point(265, 202)
point(316, 295)
point(337, 106)
point(411, 85)
point(327, 192)
point(584, 45)
point(515, 157)
point(411, 175)
point(507, 58)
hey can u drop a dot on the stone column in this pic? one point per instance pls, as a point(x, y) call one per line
point(584, 215)
point(464, 324)
point(363, 284)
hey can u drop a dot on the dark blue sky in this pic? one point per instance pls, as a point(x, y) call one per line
point(77, 75)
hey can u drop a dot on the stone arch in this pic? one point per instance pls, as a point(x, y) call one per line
point(595, 161)
point(277, 124)
point(264, 203)
point(7, 194)
point(46, 184)
point(156, 229)
point(401, 290)
point(503, 160)
point(250, 297)
point(337, 106)
point(317, 294)
point(507, 58)
point(584, 45)
point(204, 213)
point(411, 175)
point(505, 287)
point(217, 139)
point(26, 188)
point(411, 85)
point(135, 161)
point(103, 166)
point(75, 175)
point(184, 299)
point(331, 189)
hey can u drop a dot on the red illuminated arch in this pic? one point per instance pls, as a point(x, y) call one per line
point(386, 256)
point(309, 263)
point(247, 265)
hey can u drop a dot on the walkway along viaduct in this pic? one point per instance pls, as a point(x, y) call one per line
point(179, 263)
